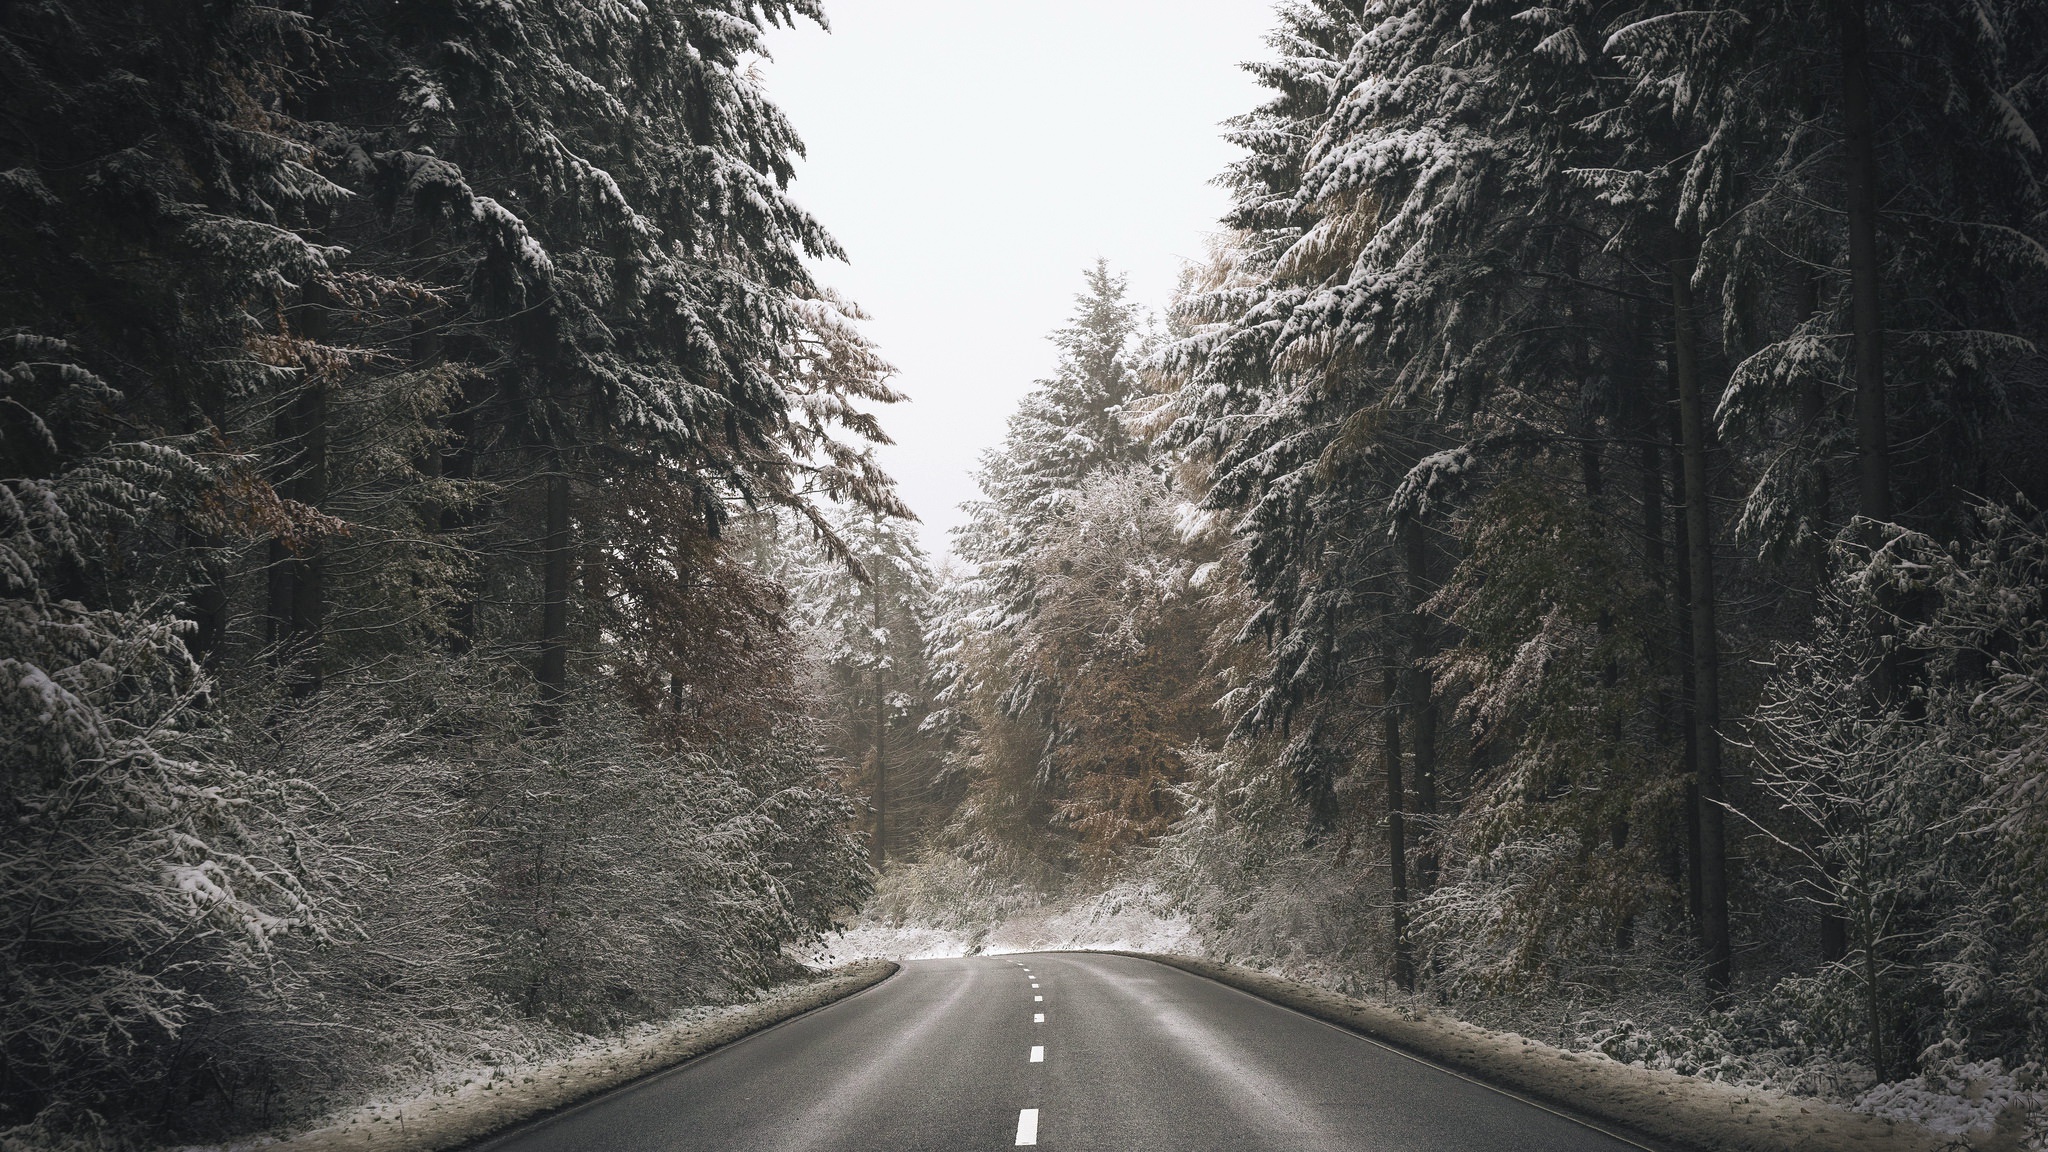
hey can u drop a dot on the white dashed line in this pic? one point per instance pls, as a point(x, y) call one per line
point(1037, 999)
point(1038, 1053)
point(1027, 1126)
point(1038, 1017)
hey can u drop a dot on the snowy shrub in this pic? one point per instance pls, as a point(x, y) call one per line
point(1919, 818)
point(1956, 1097)
point(138, 865)
point(1234, 867)
point(318, 407)
point(1526, 913)
point(1768, 1040)
point(487, 896)
point(940, 890)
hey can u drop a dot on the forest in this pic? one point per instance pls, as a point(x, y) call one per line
point(1571, 556)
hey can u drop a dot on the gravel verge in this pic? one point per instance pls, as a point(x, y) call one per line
point(448, 1119)
point(1681, 1111)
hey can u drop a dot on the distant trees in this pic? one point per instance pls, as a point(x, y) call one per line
point(1074, 659)
point(379, 388)
point(864, 598)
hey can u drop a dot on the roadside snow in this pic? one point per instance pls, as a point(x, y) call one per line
point(909, 942)
point(456, 1109)
point(1685, 1111)
point(1103, 925)
point(1970, 1098)
point(1121, 919)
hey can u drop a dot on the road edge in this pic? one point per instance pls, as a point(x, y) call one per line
point(437, 1123)
point(1698, 1115)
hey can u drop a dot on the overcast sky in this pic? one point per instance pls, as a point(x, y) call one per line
point(973, 156)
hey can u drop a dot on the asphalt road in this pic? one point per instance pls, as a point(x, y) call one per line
point(1129, 1056)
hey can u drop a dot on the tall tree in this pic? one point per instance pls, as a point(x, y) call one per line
point(868, 609)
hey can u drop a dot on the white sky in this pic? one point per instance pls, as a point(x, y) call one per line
point(973, 156)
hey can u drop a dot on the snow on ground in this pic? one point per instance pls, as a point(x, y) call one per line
point(459, 1107)
point(1122, 919)
point(1101, 925)
point(1684, 1110)
point(1979, 1106)
point(1992, 1109)
point(1979, 1097)
point(905, 942)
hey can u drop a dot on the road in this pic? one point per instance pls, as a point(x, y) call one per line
point(1064, 1051)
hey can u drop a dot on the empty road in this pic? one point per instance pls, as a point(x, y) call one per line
point(1064, 1051)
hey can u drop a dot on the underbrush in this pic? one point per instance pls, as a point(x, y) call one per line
point(468, 895)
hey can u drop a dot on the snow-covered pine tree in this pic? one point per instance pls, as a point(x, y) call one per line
point(1824, 313)
point(866, 607)
point(146, 212)
point(1065, 429)
point(628, 261)
point(1069, 432)
point(1445, 318)
point(403, 332)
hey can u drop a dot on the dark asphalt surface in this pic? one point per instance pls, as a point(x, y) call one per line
point(1138, 1056)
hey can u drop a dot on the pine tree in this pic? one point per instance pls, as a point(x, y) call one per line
point(375, 376)
point(1078, 656)
point(868, 611)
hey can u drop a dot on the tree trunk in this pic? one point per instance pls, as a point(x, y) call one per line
point(1699, 537)
point(1866, 322)
point(309, 588)
point(1834, 927)
point(880, 849)
point(1682, 659)
point(210, 607)
point(1592, 455)
point(297, 572)
point(554, 615)
point(1873, 451)
point(1397, 831)
point(1650, 463)
point(1421, 695)
point(458, 463)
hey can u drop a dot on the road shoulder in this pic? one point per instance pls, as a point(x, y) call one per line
point(443, 1120)
point(1681, 1111)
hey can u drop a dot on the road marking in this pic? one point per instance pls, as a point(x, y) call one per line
point(1034, 983)
point(1038, 1017)
point(1027, 1126)
point(1036, 999)
point(1038, 1053)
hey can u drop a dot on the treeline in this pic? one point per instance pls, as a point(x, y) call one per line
point(1578, 537)
point(389, 678)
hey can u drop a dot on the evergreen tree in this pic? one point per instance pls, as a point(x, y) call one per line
point(868, 611)
point(1077, 660)
point(1457, 371)
point(380, 383)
